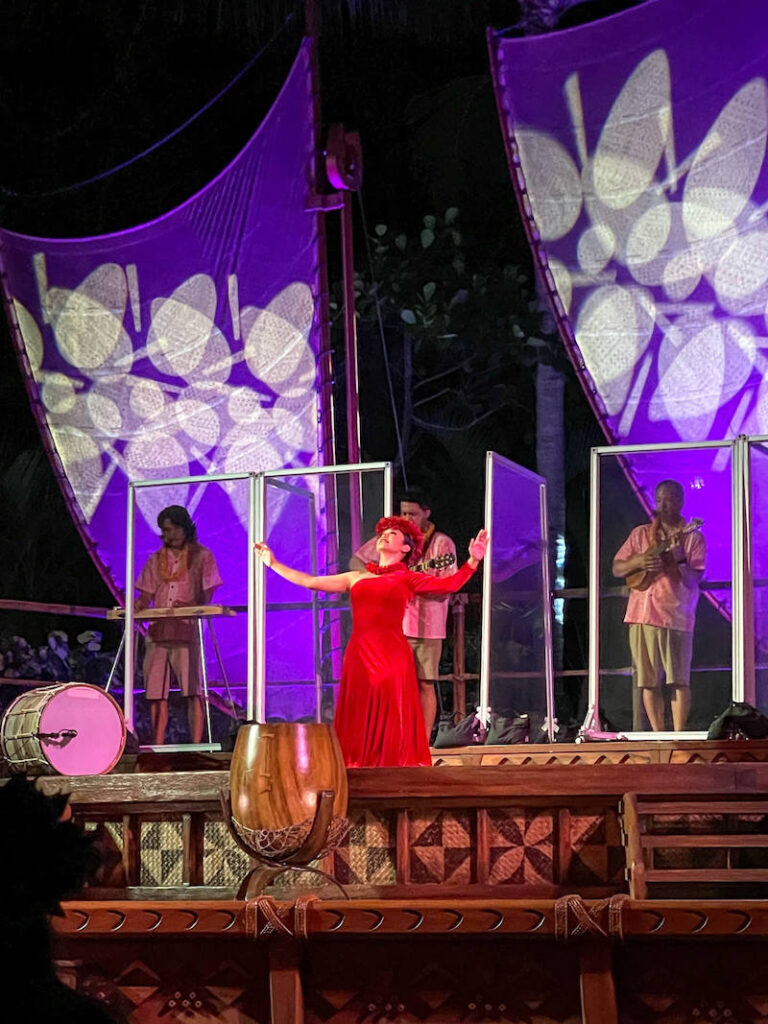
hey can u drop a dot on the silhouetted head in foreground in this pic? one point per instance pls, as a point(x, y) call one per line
point(44, 857)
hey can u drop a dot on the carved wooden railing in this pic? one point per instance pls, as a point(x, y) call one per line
point(400, 797)
point(303, 944)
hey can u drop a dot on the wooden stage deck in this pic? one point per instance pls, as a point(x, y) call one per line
point(480, 892)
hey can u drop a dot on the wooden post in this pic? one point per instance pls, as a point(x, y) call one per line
point(632, 829)
point(458, 620)
point(598, 990)
point(402, 849)
point(193, 844)
point(562, 847)
point(285, 994)
point(483, 852)
point(132, 848)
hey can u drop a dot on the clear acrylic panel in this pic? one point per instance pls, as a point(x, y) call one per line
point(757, 517)
point(310, 526)
point(517, 624)
point(697, 630)
point(219, 510)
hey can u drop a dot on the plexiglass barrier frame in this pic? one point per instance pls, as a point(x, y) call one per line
point(257, 705)
point(755, 569)
point(521, 555)
point(256, 483)
point(734, 452)
point(130, 570)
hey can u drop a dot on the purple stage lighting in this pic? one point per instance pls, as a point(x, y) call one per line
point(637, 146)
point(182, 347)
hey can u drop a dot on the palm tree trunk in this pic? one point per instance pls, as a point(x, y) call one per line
point(550, 462)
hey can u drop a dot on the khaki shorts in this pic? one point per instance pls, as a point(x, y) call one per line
point(164, 660)
point(426, 654)
point(657, 651)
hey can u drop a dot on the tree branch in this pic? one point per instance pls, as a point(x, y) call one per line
point(455, 430)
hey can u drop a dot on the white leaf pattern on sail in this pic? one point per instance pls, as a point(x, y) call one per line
point(741, 274)
point(554, 183)
point(113, 419)
point(274, 350)
point(634, 135)
point(105, 414)
point(688, 232)
point(182, 326)
point(145, 396)
point(88, 322)
point(30, 333)
point(727, 164)
point(57, 392)
point(198, 421)
point(701, 368)
point(613, 330)
point(82, 459)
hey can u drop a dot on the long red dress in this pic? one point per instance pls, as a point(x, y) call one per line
point(378, 715)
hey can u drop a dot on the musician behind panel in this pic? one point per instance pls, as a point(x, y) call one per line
point(182, 573)
point(662, 563)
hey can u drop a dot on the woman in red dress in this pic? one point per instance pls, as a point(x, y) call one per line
point(378, 715)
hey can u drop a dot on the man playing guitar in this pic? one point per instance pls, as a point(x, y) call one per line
point(663, 563)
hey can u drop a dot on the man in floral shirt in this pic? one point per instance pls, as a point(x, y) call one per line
point(182, 573)
point(661, 616)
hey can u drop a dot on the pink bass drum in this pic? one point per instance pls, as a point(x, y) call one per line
point(68, 729)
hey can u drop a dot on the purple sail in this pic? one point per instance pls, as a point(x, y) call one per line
point(637, 146)
point(182, 347)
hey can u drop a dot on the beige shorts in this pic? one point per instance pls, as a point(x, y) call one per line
point(162, 661)
point(658, 652)
point(426, 654)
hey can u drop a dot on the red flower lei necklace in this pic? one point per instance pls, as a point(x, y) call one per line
point(167, 574)
point(382, 570)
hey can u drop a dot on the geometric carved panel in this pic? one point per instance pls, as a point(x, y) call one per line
point(598, 856)
point(441, 845)
point(348, 983)
point(718, 983)
point(164, 981)
point(366, 854)
point(520, 846)
point(224, 863)
point(162, 853)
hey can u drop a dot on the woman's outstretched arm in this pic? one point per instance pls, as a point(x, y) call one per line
point(450, 584)
point(329, 584)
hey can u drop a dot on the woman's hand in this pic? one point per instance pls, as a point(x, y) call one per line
point(264, 553)
point(478, 546)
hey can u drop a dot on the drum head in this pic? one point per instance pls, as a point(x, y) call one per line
point(100, 728)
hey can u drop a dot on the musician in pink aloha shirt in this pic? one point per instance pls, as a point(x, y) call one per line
point(182, 573)
point(661, 619)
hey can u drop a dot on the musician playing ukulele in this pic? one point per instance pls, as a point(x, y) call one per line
point(663, 563)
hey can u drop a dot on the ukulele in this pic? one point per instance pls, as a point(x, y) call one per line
point(438, 562)
point(641, 579)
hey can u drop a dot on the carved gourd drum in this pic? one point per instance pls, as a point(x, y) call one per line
point(288, 787)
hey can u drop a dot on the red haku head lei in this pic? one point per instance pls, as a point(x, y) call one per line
point(409, 531)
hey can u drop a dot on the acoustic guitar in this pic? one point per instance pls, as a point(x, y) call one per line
point(641, 579)
point(438, 562)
